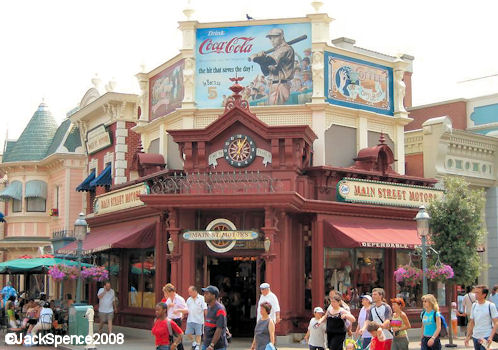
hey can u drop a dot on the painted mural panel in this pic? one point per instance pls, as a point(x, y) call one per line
point(275, 61)
point(166, 90)
point(358, 84)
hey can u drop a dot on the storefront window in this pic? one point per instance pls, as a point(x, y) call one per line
point(141, 278)
point(353, 272)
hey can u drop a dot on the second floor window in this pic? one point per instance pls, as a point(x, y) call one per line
point(35, 204)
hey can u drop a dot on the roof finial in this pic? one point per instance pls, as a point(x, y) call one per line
point(317, 5)
point(188, 11)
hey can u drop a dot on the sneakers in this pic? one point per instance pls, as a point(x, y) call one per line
point(195, 346)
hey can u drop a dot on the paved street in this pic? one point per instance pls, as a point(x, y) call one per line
point(237, 344)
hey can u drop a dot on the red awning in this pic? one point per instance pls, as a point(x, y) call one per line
point(137, 234)
point(356, 232)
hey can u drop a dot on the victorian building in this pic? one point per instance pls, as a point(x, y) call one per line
point(41, 169)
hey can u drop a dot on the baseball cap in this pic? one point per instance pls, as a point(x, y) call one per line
point(275, 32)
point(368, 297)
point(318, 309)
point(212, 289)
point(264, 286)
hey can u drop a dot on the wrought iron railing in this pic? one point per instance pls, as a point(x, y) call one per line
point(214, 182)
point(62, 234)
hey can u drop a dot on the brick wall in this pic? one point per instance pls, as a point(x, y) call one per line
point(456, 111)
point(414, 165)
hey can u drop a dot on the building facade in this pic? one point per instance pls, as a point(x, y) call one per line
point(41, 167)
point(458, 138)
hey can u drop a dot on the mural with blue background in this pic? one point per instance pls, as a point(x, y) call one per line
point(223, 53)
point(358, 84)
point(485, 115)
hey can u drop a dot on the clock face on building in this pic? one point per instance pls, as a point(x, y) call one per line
point(239, 150)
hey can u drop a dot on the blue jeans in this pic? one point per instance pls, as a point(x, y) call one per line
point(204, 347)
point(477, 345)
point(163, 347)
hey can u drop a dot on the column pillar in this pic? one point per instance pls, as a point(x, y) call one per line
point(161, 257)
point(173, 232)
point(317, 268)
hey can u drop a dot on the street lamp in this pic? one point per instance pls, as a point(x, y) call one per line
point(423, 219)
point(80, 229)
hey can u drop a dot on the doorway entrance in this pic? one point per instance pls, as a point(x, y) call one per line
point(238, 279)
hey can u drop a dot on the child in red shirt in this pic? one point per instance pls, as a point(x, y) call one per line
point(161, 332)
point(378, 339)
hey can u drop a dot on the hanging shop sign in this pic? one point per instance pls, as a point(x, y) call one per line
point(97, 139)
point(125, 198)
point(358, 84)
point(220, 235)
point(385, 193)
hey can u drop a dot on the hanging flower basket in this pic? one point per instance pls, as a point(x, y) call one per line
point(408, 275)
point(96, 273)
point(440, 273)
point(61, 272)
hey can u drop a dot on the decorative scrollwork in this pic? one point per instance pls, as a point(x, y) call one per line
point(214, 182)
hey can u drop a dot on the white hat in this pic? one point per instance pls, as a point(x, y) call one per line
point(368, 297)
point(264, 286)
point(318, 309)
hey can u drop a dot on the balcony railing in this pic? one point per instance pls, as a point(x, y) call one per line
point(214, 182)
point(62, 234)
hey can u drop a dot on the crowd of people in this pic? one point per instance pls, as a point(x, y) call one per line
point(23, 314)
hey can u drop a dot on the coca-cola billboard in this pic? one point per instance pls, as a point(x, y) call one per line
point(275, 61)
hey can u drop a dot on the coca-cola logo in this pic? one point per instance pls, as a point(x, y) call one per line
point(235, 45)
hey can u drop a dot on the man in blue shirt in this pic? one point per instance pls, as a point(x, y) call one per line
point(7, 292)
point(494, 295)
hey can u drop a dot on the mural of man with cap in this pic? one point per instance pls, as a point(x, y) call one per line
point(215, 325)
point(268, 296)
point(278, 66)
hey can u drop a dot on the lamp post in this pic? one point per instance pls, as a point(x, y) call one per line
point(423, 219)
point(80, 229)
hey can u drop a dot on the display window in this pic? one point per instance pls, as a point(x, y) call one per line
point(353, 272)
point(141, 278)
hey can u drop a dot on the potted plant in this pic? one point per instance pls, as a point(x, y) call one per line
point(440, 273)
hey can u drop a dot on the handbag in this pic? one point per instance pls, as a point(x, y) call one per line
point(270, 346)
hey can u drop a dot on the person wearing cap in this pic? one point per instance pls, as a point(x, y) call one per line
point(366, 337)
point(278, 66)
point(267, 296)
point(215, 325)
point(315, 337)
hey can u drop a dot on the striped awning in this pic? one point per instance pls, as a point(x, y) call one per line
point(104, 178)
point(36, 189)
point(85, 185)
point(12, 191)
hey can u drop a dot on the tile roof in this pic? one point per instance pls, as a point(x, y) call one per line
point(59, 137)
point(36, 138)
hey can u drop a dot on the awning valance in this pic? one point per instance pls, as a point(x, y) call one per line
point(12, 191)
point(104, 178)
point(85, 185)
point(362, 232)
point(138, 234)
point(36, 189)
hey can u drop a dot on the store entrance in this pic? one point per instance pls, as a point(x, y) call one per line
point(237, 279)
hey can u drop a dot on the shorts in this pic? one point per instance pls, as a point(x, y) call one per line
point(106, 316)
point(193, 328)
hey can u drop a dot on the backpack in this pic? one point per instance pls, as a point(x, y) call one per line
point(443, 333)
point(170, 330)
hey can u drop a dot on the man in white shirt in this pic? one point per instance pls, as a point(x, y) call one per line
point(107, 305)
point(269, 297)
point(176, 306)
point(381, 313)
point(197, 309)
point(483, 320)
